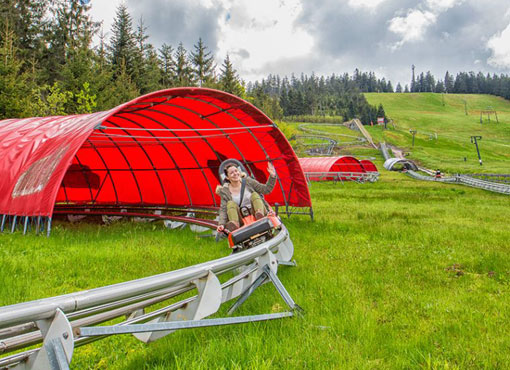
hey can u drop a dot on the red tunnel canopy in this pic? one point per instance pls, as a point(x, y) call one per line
point(344, 168)
point(331, 164)
point(162, 149)
point(369, 166)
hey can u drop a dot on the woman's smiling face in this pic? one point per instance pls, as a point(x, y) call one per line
point(233, 174)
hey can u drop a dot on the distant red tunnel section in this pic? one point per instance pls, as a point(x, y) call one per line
point(160, 150)
point(368, 165)
point(343, 168)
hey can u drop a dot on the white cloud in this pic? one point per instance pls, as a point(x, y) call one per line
point(104, 11)
point(442, 5)
point(365, 3)
point(412, 27)
point(257, 33)
point(500, 46)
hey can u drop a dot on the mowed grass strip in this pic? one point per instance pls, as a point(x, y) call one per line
point(394, 274)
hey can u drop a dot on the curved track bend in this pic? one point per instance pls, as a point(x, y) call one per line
point(65, 322)
point(467, 180)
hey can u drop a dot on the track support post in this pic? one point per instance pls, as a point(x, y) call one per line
point(207, 302)
point(266, 274)
point(58, 345)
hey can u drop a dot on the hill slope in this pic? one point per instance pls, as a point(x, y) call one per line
point(445, 115)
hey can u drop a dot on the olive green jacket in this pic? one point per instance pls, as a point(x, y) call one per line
point(251, 185)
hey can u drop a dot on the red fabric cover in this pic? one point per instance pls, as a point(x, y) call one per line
point(369, 166)
point(331, 164)
point(162, 149)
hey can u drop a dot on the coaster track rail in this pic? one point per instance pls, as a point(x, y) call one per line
point(60, 322)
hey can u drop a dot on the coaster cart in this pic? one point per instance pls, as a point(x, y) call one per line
point(252, 232)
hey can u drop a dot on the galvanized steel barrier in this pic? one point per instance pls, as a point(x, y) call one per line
point(360, 177)
point(493, 177)
point(65, 322)
point(482, 184)
point(418, 176)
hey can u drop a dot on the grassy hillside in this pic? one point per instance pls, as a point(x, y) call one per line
point(395, 274)
point(426, 113)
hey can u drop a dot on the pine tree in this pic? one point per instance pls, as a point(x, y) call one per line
point(101, 51)
point(268, 104)
point(183, 71)
point(14, 83)
point(413, 80)
point(421, 83)
point(460, 85)
point(70, 51)
point(439, 87)
point(167, 63)
point(140, 39)
point(68, 42)
point(202, 64)
point(151, 73)
point(101, 76)
point(482, 83)
point(120, 91)
point(380, 112)
point(229, 80)
point(429, 82)
point(27, 20)
point(122, 46)
point(73, 25)
point(448, 83)
point(398, 88)
point(146, 72)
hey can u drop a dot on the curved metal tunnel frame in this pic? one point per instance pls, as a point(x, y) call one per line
point(160, 140)
point(147, 122)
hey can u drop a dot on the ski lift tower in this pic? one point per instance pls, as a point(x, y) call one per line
point(488, 112)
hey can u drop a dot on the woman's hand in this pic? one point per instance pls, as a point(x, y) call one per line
point(271, 169)
point(220, 228)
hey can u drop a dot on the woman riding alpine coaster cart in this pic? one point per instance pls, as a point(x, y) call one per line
point(243, 205)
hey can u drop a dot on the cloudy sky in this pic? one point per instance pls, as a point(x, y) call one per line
point(332, 36)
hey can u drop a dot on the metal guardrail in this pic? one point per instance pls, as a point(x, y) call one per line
point(493, 177)
point(418, 176)
point(65, 322)
point(482, 184)
point(465, 180)
point(360, 177)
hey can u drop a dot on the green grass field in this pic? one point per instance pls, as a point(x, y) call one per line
point(426, 114)
point(395, 274)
